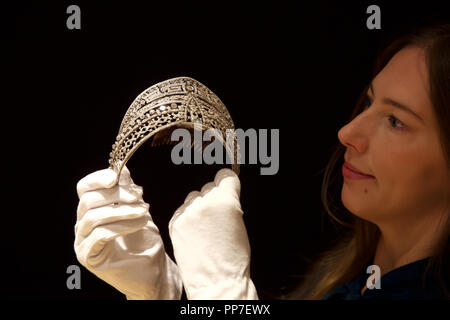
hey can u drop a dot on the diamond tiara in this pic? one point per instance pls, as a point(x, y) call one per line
point(175, 103)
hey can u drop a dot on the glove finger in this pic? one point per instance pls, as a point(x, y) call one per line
point(100, 179)
point(109, 214)
point(125, 177)
point(207, 187)
point(226, 179)
point(189, 199)
point(191, 196)
point(94, 249)
point(102, 197)
point(187, 202)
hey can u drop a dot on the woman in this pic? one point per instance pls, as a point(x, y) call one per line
point(396, 209)
point(395, 193)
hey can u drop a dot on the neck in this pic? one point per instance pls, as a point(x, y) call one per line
point(399, 245)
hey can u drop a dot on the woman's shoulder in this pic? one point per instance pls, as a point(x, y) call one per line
point(408, 282)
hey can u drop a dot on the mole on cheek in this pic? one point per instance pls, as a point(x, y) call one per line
point(365, 190)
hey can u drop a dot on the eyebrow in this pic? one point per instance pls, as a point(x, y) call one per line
point(397, 105)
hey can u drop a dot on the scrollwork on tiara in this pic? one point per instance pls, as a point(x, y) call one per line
point(177, 102)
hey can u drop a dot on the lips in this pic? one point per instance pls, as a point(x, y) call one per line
point(351, 172)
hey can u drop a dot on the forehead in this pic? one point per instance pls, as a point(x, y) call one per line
point(405, 79)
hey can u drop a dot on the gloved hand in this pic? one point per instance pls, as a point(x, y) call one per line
point(116, 239)
point(210, 242)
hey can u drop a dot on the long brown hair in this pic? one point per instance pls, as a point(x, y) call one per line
point(357, 246)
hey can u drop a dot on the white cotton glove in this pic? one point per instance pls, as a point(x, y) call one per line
point(116, 239)
point(210, 242)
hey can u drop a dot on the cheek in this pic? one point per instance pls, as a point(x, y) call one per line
point(410, 176)
point(393, 167)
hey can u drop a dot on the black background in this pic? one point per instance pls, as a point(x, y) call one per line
point(297, 67)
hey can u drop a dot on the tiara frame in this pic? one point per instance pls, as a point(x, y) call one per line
point(181, 102)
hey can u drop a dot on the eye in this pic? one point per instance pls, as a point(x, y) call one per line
point(394, 122)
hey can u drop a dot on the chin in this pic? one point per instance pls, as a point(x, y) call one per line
point(357, 206)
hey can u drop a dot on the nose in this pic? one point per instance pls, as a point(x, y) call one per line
point(353, 134)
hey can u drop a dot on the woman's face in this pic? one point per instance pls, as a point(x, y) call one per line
point(400, 149)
